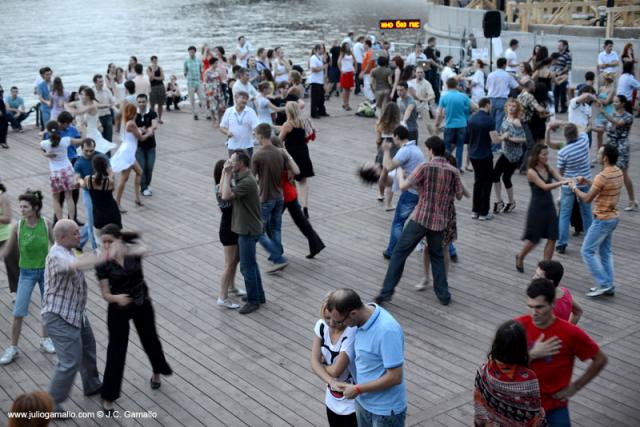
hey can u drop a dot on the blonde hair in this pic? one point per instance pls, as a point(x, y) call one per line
point(323, 304)
point(294, 115)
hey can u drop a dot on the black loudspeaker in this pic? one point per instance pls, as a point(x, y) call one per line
point(492, 24)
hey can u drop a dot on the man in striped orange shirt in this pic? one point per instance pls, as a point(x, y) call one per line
point(604, 193)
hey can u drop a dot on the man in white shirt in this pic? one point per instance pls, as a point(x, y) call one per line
point(358, 55)
point(105, 102)
point(511, 57)
point(447, 72)
point(499, 84)
point(627, 81)
point(348, 40)
point(421, 91)
point(238, 123)
point(243, 85)
point(242, 52)
point(580, 111)
point(414, 58)
point(316, 81)
point(608, 59)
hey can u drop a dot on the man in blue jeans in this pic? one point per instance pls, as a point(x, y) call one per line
point(604, 193)
point(44, 96)
point(267, 165)
point(573, 161)
point(437, 183)
point(499, 85)
point(408, 157)
point(454, 108)
point(378, 353)
point(246, 222)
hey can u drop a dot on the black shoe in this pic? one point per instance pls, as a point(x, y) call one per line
point(305, 211)
point(380, 301)
point(248, 308)
point(94, 392)
point(195, 117)
point(561, 249)
point(315, 116)
point(498, 207)
point(577, 233)
point(315, 252)
point(385, 255)
point(454, 258)
point(445, 301)
point(325, 115)
point(154, 384)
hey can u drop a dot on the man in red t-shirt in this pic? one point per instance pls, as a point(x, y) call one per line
point(554, 344)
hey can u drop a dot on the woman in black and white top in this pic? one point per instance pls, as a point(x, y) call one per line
point(330, 351)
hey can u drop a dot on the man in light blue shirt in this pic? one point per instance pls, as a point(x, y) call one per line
point(454, 108)
point(378, 351)
point(408, 157)
point(499, 85)
point(44, 96)
point(16, 113)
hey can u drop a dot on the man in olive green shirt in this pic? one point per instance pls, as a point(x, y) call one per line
point(246, 222)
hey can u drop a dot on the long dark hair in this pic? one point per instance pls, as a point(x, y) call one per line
point(217, 171)
point(100, 167)
point(510, 344)
point(34, 198)
point(115, 231)
point(53, 128)
point(57, 87)
point(535, 153)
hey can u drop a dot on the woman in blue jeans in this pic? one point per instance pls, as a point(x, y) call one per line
point(32, 234)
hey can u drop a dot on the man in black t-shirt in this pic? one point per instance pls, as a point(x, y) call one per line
point(432, 74)
point(146, 153)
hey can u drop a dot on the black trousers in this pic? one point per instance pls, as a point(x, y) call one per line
point(303, 224)
point(118, 326)
point(336, 420)
point(317, 100)
point(357, 78)
point(482, 183)
point(4, 129)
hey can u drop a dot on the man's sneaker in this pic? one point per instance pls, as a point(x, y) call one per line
point(249, 308)
point(474, 215)
point(277, 267)
point(46, 345)
point(422, 285)
point(486, 217)
point(195, 117)
point(238, 292)
point(596, 292)
point(633, 206)
point(611, 292)
point(9, 355)
point(561, 249)
point(227, 303)
point(146, 193)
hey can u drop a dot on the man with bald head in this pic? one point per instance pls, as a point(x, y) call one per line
point(63, 312)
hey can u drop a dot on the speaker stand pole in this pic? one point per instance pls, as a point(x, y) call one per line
point(491, 54)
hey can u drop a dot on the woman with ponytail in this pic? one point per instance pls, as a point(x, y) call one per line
point(32, 235)
point(100, 185)
point(61, 174)
point(123, 286)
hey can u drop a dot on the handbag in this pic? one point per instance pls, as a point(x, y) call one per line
point(309, 131)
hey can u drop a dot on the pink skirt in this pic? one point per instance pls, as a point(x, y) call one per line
point(62, 180)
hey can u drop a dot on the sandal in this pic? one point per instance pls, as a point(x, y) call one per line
point(139, 203)
point(519, 264)
point(154, 384)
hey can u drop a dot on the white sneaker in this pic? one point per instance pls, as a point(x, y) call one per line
point(277, 267)
point(420, 246)
point(486, 217)
point(46, 345)
point(9, 355)
point(146, 193)
point(596, 292)
point(422, 285)
point(228, 304)
point(238, 292)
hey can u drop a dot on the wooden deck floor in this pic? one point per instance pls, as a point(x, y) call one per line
point(254, 370)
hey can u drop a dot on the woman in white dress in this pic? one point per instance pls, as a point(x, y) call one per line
point(281, 66)
point(88, 106)
point(124, 160)
point(119, 92)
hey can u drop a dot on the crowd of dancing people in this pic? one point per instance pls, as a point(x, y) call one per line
point(95, 137)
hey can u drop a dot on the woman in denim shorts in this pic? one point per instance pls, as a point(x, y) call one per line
point(32, 235)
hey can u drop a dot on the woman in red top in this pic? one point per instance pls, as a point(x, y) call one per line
point(507, 393)
point(291, 204)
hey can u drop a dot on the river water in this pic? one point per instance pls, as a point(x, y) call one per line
point(78, 38)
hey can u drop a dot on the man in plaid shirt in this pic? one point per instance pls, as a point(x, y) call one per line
point(437, 183)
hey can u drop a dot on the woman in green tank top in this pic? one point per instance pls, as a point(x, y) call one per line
point(32, 235)
point(11, 260)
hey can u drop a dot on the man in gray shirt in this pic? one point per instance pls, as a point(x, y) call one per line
point(408, 110)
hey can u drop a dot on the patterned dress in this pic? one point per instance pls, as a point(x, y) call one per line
point(213, 89)
point(507, 396)
point(618, 136)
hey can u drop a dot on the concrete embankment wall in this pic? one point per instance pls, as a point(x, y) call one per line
point(449, 24)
